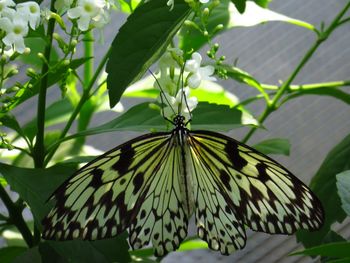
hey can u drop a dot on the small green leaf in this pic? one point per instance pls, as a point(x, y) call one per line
point(337, 250)
point(36, 45)
point(8, 254)
point(254, 15)
point(274, 146)
point(343, 185)
point(35, 185)
point(323, 184)
point(28, 92)
point(240, 5)
point(11, 122)
point(140, 42)
point(332, 92)
point(240, 76)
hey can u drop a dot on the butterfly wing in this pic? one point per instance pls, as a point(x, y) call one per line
point(250, 187)
point(125, 187)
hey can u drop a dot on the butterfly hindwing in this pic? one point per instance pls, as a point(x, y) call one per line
point(265, 195)
point(217, 223)
point(162, 217)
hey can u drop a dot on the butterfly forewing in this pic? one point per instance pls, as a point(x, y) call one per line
point(102, 198)
point(263, 194)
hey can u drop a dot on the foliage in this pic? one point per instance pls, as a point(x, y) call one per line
point(37, 156)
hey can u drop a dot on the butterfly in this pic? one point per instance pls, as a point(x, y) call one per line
point(153, 184)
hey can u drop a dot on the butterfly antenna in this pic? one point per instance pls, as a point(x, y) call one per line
point(183, 97)
point(161, 98)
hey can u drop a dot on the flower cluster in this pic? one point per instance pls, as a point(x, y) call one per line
point(175, 82)
point(85, 12)
point(15, 21)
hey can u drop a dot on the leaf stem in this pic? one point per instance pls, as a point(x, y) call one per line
point(85, 96)
point(15, 217)
point(272, 106)
point(292, 88)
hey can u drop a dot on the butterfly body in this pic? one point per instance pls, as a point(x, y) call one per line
point(151, 185)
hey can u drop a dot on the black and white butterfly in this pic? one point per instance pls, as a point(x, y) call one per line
point(153, 184)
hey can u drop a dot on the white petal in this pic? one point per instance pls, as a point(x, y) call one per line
point(19, 44)
point(84, 22)
point(194, 81)
point(9, 39)
point(192, 66)
point(75, 12)
point(192, 103)
point(197, 57)
point(6, 24)
point(204, 1)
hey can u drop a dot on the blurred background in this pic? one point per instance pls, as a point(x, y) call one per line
point(313, 124)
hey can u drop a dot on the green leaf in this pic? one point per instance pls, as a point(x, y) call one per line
point(140, 42)
point(274, 146)
point(27, 92)
point(343, 185)
point(146, 116)
point(337, 250)
point(323, 184)
point(228, 13)
point(332, 92)
point(11, 122)
point(36, 45)
point(240, 76)
point(254, 15)
point(240, 5)
point(8, 254)
point(56, 113)
point(192, 245)
point(35, 185)
point(208, 91)
point(104, 251)
point(31, 255)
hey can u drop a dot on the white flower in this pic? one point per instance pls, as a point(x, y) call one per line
point(181, 104)
point(5, 6)
point(63, 5)
point(85, 11)
point(31, 12)
point(198, 73)
point(16, 29)
point(204, 1)
point(166, 83)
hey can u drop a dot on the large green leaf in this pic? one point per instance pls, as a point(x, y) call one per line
point(229, 15)
point(337, 250)
point(140, 42)
point(8, 254)
point(104, 251)
point(274, 146)
point(35, 185)
point(146, 116)
point(343, 185)
point(324, 186)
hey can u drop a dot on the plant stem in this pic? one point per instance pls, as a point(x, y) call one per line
point(272, 106)
point(39, 148)
point(85, 96)
point(15, 215)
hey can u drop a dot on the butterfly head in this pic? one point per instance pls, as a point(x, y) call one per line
point(179, 121)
